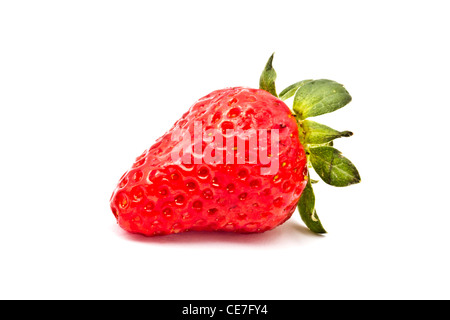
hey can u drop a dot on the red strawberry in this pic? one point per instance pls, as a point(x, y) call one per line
point(233, 162)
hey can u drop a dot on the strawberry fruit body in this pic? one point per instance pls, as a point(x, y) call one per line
point(236, 161)
point(160, 196)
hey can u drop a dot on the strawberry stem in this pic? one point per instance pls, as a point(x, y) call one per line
point(313, 98)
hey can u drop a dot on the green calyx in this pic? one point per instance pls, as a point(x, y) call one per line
point(268, 77)
point(313, 98)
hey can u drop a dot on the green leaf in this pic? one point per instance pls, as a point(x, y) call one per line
point(268, 77)
point(306, 207)
point(319, 97)
point(333, 167)
point(291, 90)
point(316, 133)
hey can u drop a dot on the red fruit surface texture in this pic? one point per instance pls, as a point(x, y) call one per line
point(160, 196)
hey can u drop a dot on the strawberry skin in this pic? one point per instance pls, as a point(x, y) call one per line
point(160, 195)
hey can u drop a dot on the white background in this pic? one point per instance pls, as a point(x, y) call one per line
point(86, 86)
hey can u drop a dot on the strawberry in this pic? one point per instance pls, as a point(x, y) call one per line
point(237, 161)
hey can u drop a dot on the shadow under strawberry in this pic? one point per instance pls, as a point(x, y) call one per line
point(289, 232)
